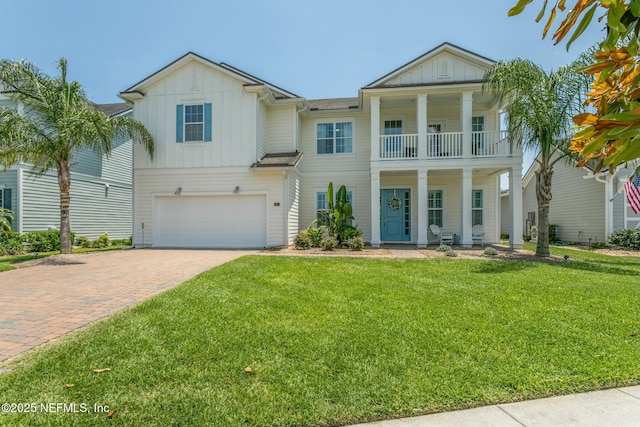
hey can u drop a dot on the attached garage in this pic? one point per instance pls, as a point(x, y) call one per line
point(229, 221)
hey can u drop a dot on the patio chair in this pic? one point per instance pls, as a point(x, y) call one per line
point(477, 234)
point(444, 236)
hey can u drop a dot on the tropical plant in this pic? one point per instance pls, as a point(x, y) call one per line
point(539, 107)
point(54, 122)
point(316, 233)
point(6, 216)
point(610, 132)
point(339, 214)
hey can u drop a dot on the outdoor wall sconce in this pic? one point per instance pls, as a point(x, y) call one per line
point(236, 190)
point(178, 191)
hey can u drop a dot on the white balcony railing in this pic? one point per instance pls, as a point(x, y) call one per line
point(490, 144)
point(398, 147)
point(444, 145)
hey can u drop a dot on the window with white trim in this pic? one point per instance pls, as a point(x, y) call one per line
point(322, 204)
point(334, 137)
point(194, 123)
point(477, 207)
point(436, 208)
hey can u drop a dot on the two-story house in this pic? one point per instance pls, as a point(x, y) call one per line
point(243, 163)
point(100, 189)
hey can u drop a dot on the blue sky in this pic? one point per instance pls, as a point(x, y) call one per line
point(316, 49)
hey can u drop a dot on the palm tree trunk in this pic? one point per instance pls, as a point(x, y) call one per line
point(64, 182)
point(543, 193)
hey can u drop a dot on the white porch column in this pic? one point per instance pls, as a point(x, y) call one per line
point(515, 205)
point(466, 112)
point(422, 126)
point(375, 128)
point(423, 213)
point(467, 175)
point(375, 208)
point(497, 223)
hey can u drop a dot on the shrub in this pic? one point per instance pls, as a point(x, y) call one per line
point(44, 241)
point(302, 240)
point(451, 253)
point(443, 248)
point(526, 238)
point(329, 243)
point(83, 242)
point(316, 234)
point(598, 245)
point(355, 243)
point(491, 251)
point(348, 233)
point(628, 238)
point(101, 242)
point(11, 243)
point(504, 236)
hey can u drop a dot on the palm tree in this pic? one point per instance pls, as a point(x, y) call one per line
point(539, 107)
point(5, 221)
point(53, 120)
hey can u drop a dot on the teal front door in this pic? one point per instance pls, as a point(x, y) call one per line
point(395, 215)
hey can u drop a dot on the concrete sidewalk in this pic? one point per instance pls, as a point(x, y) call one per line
point(618, 407)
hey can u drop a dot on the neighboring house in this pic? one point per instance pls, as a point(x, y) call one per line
point(240, 162)
point(584, 206)
point(100, 190)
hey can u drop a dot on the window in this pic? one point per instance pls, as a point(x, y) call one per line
point(334, 137)
point(5, 198)
point(322, 204)
point(476, 207)
point(193, 123)
point(436, 208)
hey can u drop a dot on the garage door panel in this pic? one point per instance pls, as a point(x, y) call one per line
point(210, 221)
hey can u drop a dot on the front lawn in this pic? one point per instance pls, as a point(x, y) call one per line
point(333, 341)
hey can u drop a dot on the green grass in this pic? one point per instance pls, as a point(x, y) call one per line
point(334, 341)
point(6, 262)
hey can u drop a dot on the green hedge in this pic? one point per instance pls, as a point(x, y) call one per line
point(628, 238)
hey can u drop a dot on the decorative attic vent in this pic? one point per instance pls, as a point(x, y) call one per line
point(444, 68)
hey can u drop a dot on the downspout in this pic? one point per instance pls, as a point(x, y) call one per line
point(297, 141)
point(608, 203)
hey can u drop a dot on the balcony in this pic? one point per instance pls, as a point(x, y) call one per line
point(444, 145)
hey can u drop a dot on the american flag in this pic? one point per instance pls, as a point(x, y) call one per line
point(632, 188)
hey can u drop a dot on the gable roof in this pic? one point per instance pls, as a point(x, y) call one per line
point(247, 78)
point(444, 47)
point(113, 109)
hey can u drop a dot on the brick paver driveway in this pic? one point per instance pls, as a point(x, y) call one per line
point(42, 302)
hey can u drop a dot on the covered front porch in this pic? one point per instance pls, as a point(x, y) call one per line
point(404, 203)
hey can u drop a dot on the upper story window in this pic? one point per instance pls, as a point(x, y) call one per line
point(193, 122)
point(334, 137)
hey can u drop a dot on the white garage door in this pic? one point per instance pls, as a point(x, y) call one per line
point(210, 222)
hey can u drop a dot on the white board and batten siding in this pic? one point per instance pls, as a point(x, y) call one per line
point(445, 66)
point(234, 120)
